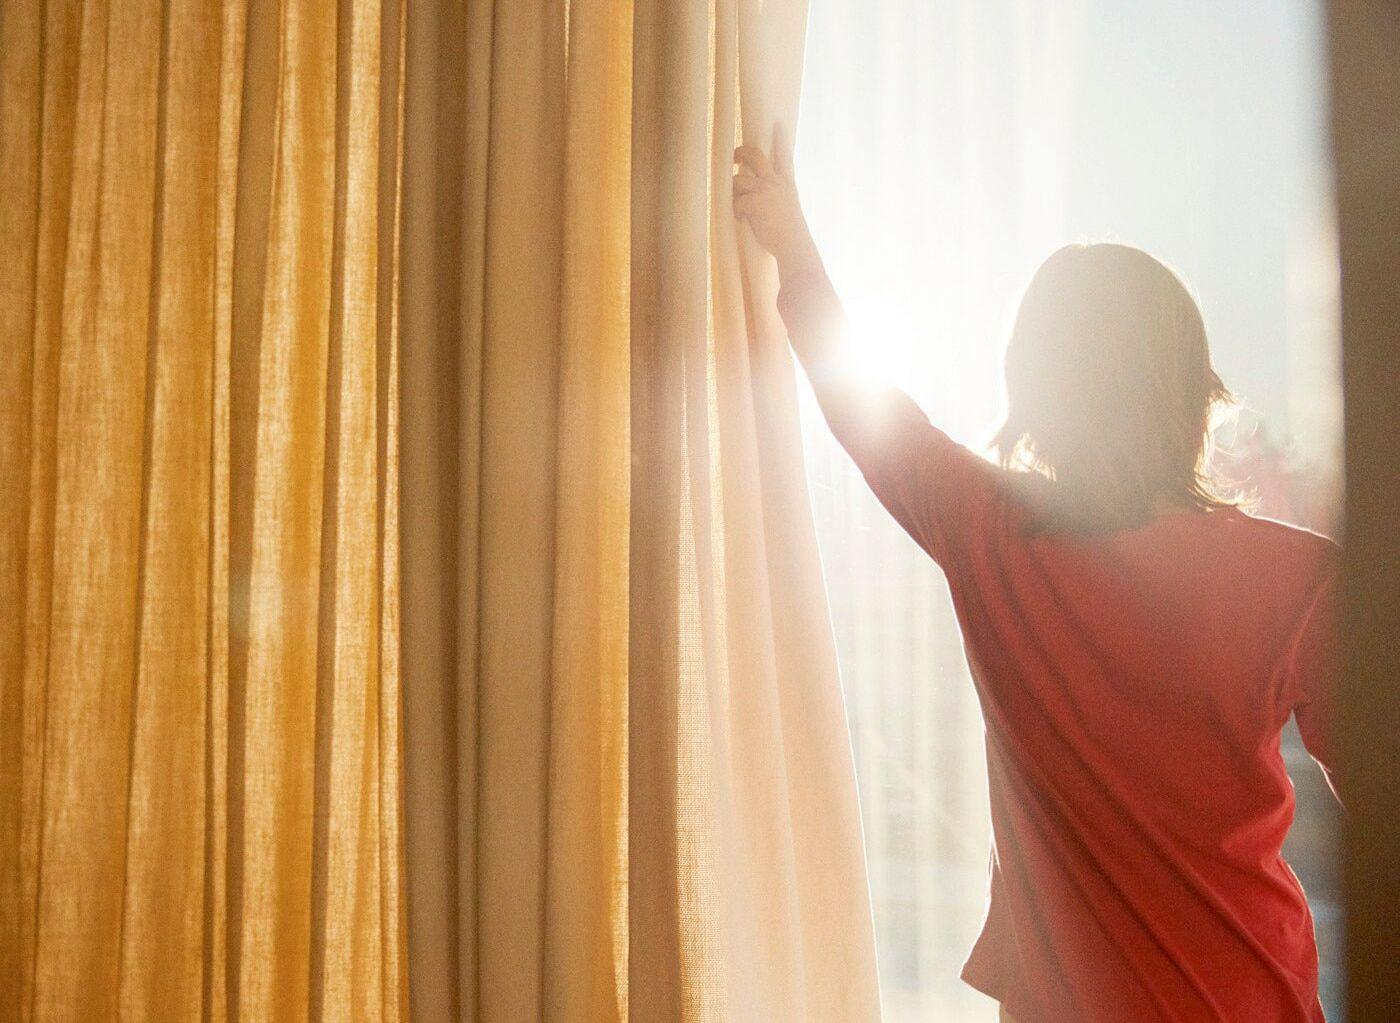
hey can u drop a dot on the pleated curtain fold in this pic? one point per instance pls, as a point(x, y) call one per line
point(199, 705)
point(629, 791)
point(304, 299)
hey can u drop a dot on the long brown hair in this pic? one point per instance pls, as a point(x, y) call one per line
point(1110, 389)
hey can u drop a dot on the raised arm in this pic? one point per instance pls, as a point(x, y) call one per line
point(864, 414)
point(943, 495)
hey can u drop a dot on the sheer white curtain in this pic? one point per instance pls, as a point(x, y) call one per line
point(930, 162)
point(945, 149)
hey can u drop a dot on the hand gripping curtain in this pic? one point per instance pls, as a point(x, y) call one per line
point(629, 791)
point(199, 708)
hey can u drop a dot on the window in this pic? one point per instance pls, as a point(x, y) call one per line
point(945, 149)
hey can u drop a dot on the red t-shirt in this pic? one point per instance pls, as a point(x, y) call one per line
point(1134, 686)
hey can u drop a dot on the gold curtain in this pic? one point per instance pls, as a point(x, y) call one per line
point(515, 397)
point(629, 784)
point(199, 708)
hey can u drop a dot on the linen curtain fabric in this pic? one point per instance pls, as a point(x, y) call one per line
point(964, 114)
point(199, 707)
point(629, 790)
point(629, 786)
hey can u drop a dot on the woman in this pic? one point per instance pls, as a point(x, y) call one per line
point(1137, 642)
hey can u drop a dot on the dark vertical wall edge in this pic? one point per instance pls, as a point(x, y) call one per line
point(1365, 75)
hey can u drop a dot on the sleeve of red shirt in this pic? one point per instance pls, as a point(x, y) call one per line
point(945, 497)
point(1313, 668)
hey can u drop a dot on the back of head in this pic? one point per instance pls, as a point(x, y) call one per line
point(1110, 388)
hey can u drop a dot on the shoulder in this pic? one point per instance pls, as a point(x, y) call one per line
point(1306, 543)
point(1295, 560)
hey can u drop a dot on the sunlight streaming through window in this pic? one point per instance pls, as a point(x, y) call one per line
point(945, 149)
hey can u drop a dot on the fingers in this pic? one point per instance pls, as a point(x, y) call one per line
point(754, 159)
point(782, 150)
point(746, 181)
point(757, 175)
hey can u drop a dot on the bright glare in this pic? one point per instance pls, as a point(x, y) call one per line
point(882, 340)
